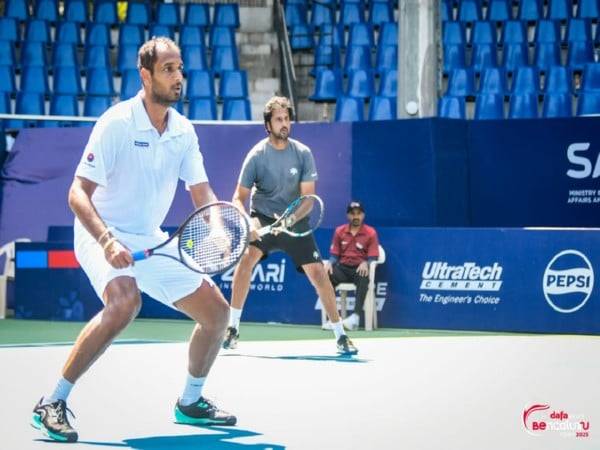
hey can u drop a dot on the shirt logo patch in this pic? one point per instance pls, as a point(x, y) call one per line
point(141, 144)
point(90, 157)
point(293, 171)
point(359, 246)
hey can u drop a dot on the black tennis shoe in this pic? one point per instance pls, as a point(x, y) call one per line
point(203, 412)
point(52, 420)
point(231, 338)
point(345, 346)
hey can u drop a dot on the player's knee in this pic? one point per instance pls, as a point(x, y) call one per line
point(123, 308)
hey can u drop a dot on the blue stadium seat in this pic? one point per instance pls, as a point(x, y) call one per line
point(157, 29)
point(591, 78)
point(225, 36)
point(332, 35)
point(326, 57)
point(200, 84)
point(68, 33)
point(588, 103)
point(352, 12)
point(226, 14)
point(453, 33)
point(547, 31)
point(131, 34)
point(386, 58)
point(37, 30)
point(76, 11)
point(194, 57)
point(381, 13)
point(7, 79)
point(322, 14)
point(557, 105)
point(530, 10)
point(588, 9)
point(296, 15)
point(17, 9)
point(382, 108)
point(493, 81)
point(138, 13)
point(461, 83)
point(301, 37)
point(514, 32)
point(515, 56)
point(499, 10)
point(96, 56)
point(469, 10)
point(328, 85)
point(526, 80)
point(191, 35)
point(388, 84)
point(28, 103)
point(579, 30)
point(388, 34)
point(127, 57)
point(202, 109)
point(98, 34)
point(64, 55)
point(484, 32)
point(349, 109)
point(4, 105)
point(489, 107)
point(34, 79)
point(454, 57)
point(7, 54)
point(67, 81)
point(33, 54)
point(233, 84)
point(46, 10)
point(168, 14)
point(547, 54)
point(9, 31)
point(523, 106)
point(484, 56)
point(62, 105)
point(99, 81)
point(361, 84)
point(579, 54)
point(236, 109)
point(452, 107)
point(560, 9)
point(95, 106)
point(361, 34)
point(357, 57)
point(224, 58)
point(558, 80)
point(197, 14)
point(131, 83)
point(105, 12)
point(446, 11)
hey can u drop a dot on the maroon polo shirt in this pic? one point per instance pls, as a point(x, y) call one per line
point(354, 249)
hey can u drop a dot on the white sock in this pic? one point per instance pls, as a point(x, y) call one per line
point(338, 329)
point(192, 391)
point(234, 317)
point(61, 391)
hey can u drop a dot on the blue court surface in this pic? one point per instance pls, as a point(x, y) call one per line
point(476, 392)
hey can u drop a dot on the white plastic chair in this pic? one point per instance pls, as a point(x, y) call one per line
point(8, 272)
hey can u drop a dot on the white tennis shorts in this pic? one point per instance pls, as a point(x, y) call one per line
point(161, 278)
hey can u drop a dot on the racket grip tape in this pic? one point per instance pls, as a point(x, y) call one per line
point(142, 254)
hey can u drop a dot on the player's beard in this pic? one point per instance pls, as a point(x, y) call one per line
point(282, 135)
point(165, 98)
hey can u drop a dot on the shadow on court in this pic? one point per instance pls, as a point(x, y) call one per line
point(338, 358)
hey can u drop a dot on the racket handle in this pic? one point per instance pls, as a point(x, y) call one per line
point(138, 256)
point(263, 231)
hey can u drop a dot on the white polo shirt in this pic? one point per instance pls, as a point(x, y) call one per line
point(137, 170)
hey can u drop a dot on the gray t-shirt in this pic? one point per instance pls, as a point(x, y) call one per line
point(276, 175)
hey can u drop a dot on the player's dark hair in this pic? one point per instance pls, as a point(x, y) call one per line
point(274, 103)
point(148, 54)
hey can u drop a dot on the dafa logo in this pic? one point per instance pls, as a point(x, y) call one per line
point(568, 281)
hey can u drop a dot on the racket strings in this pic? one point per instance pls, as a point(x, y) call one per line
point(308, 213)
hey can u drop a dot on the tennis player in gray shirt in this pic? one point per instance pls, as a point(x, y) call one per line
point(275, 172)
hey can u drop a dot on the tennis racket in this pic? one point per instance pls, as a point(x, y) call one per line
point(211, 240)
point(300, 218)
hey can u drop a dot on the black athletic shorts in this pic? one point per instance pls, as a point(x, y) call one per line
point(302, 250)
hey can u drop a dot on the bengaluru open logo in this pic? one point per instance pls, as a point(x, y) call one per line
point(568, 281)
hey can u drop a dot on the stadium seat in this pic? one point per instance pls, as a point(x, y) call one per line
point(349, 109)
point(98, 34)
point(579, 54)
point(226, 14)
point(361, 34)
point(99, 81)
point(489, 107)
point(523, 106)
point(484, 56)
point(360, 84)
point(588, 103)
point(352, 12)
point(127, 57)
point(191, 35)
point(499, 10)
point(34, 79)
point(157, 29)
point(67, 81)
point(131, 83)
point(388, 34)
point(461, 83)
point(200, 84)
point(96, 56)
point(7, 54)
point(7, 79)
point(76, 11)
point(446, 11)
point(105, 12)
point(202, 109)
point(46, 10)
point(558, 80)
point(382, 108)
point(224, 58)
point(332, 35)
point(168, 14)
point(514, 32)
point(530, 10)
point(296, 15)
point(328, 85)
point(560, 9)
point(138, 13)
point(588, 9)
point(484, 32)
point(37, 30)
point(62, 105)
point(515, 56)
point(469, 10)
point(33, 54)
point(547, 54)
point(236, 109)
point(68, 33)
point(197, 14)
point(579, 30)
point(9, 31)
point(357, 57)
point(322, 14)
point(380, 13)
point(454, 57)
point(301, 37)
point(526, 80)
point(547, 31)
point(452, 107)
point(233, 84)
point(64, 55)
point(5, 107)
point(591, 78)
point(95, 106)
point(386, 58)
point(453, 33)
point(493, 81)
point(326, 57)
point(131, 34)
point(557, 105)
point(388, 84)
point(28, 103)
point(194, 57)
point(17, 9)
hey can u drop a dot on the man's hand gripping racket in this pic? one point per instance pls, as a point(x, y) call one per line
point(300, 218)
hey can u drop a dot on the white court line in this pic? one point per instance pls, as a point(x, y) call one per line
point(416, 394)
